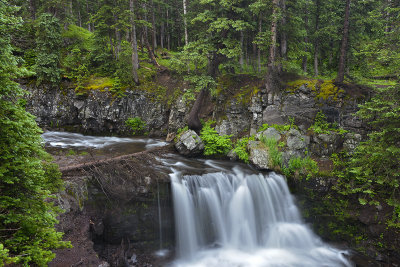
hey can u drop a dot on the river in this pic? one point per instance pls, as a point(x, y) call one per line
point(226, 213)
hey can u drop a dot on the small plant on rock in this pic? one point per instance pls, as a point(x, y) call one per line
point(214, 144)
point(136, 125)
point(241, 148)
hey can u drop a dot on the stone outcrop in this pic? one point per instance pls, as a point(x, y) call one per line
point(97, 112)
point(259, 155)
point(189, 143)
point(112, 209)
point(269, 133)
point(303, 104)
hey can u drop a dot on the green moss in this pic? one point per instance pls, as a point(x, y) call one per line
point(323, 89)
point(157, 92)
point(98, 83)
point(146, 72)
point(295, 85)
point(245, 94)
point(328, 90)
point(224, 82)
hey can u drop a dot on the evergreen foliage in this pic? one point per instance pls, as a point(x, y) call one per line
point(372, 173)
point(48, 45)
point(27, 176)
point(136, 125)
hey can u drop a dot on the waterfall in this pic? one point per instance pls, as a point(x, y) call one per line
point(235, 218)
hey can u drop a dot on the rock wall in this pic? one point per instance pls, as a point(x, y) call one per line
point(98, 112)
point(115, 209)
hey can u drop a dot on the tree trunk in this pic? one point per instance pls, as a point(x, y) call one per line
point(135, 57)
point(32, 9)
point(68, 14)
point(258, 49)
point(162, 36)
point(146, 39)
point(343, 47)
point(117, 36)
point(316, 42)
point(283, 33)
point(79, 18)
point(193, 119)
point(185, 22)
point(305, 58)
point(153, 22)
point(241, 59)
point(88, 12)
point(271, 83)
point(168, 34)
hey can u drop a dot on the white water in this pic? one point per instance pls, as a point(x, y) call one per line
point(76, 140)
point(235, 218)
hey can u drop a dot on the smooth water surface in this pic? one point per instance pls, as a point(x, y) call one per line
point(67, 140)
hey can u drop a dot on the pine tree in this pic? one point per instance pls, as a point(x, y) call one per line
point(27, 178)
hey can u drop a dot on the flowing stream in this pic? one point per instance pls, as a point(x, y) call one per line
point(78, 141)
point(236, 216)
point(226, 214)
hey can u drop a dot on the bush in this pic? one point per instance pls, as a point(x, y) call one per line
point(241, 148)
point(279, 127)
point(322, 126)
point(136, 125)
point(214, 144)
point(298, 167)
point(274, 153)
point(301, 167)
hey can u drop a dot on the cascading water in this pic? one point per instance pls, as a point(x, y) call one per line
point(236, 218)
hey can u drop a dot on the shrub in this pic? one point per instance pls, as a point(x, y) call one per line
point(136, 125)
point(274, 153)
point(322, 126)
point(214, 144)
point(241, 148)
point(301, 167)
point(279, 127)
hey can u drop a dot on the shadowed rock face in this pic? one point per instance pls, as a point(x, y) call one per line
point(117, 204)
point(98, 112)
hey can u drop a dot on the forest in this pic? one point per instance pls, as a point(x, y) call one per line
point(118, 39)
point(122, 44)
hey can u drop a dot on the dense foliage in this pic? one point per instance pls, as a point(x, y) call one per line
point(27, 177)
point(126, 39)
point(214, 144)
point(372, 173)
point(136, 125)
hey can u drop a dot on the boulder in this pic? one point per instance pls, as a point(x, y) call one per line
point(351, 142)
point(324, 145)
point(269, 133)
point(232, 155)
point(189, 144)
point(259, 155)
point(297, 141)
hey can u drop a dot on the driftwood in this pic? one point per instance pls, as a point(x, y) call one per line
point(143, 154)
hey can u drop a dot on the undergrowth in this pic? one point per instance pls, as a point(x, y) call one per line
point(214, 144)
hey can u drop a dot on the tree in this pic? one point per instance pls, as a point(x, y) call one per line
point(345, 40)
point(27, 178)
point(372, 173)
point(48, 45)
point(218, 29)
point(272, 71)
point(135, 55)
